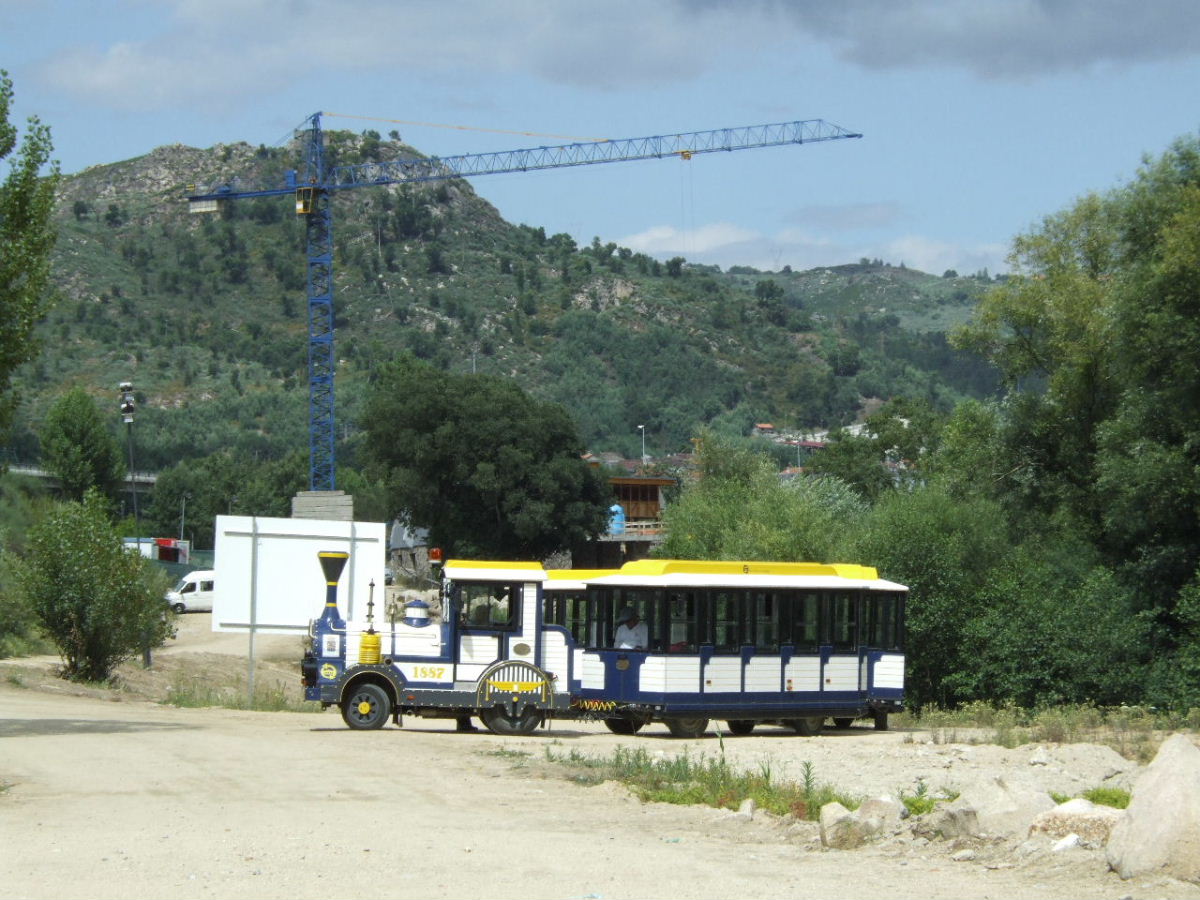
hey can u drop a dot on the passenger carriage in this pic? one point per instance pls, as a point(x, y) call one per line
point(746, 642)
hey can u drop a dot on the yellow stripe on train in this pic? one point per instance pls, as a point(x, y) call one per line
point(521, 687)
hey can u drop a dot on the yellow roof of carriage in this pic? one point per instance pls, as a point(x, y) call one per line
point(659, 567)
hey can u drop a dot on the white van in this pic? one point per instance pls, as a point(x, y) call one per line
point(194, 593)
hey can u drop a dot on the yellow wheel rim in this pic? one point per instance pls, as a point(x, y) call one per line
point(364, 707)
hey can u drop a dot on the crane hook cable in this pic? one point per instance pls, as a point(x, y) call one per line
point(557, 137)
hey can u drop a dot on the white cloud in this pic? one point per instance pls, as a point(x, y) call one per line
point(707, 239)
point(726, 245)
point(208, 48)
point(934, 256)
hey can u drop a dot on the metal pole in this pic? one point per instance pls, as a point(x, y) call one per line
point(137, 519)
point(253, 605)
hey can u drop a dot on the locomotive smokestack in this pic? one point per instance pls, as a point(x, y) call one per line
point(332, 563)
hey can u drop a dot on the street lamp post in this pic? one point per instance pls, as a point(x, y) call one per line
point(182, 513)
point(127, 406)
point(642, 429)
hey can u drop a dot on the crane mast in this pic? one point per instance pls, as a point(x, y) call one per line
point(313, 190)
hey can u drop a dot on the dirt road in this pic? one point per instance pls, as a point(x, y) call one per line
point(109, 796)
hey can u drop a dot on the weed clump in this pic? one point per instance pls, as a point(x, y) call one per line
point(707, 781)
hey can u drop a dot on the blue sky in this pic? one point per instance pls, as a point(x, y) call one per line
point(979, 117)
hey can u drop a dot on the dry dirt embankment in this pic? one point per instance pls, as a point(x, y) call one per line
point(111, 795)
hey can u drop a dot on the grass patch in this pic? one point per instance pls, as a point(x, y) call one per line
point(508, 753)
point(1108, 796)
point(702, 780)
point(1101, 796)
point(1133, 731)
point(195, 693)
point(921, 801)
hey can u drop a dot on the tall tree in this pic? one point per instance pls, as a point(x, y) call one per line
point(489, 470)
point(1048, 328)
point(740, 509)
point(1149, 468)
point(79, 449)
point(26, 238)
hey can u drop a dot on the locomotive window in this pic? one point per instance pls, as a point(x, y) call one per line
point(488, 604)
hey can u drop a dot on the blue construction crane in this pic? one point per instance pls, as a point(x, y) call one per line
point(314, 188)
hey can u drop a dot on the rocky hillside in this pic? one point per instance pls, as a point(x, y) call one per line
point(206, 314)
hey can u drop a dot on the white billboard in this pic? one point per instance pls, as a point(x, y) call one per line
point(269, 580)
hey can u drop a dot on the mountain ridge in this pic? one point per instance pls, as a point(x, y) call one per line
point(206, 315)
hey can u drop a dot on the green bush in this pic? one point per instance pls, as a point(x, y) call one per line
point(98, 602)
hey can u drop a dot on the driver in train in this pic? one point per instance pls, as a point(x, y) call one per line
point(631, 631)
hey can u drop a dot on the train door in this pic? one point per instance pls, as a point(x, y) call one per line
point(843, 678)
point(496, 621)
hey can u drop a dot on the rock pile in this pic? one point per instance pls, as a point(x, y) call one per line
point(1159, 834)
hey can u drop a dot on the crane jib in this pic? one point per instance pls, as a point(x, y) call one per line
point(312, 191)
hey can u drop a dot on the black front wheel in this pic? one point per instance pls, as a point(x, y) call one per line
point(843, 722)
point(366, 707)
point(624, 726)
point(498, 720)
point(740, 727)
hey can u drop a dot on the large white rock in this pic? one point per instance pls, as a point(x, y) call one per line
point(957, 819)
point(839, 828)
point(1005, 808)
point(845, 830)
point(880, 815)
point(1160, 831)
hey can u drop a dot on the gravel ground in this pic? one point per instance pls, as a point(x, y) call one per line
point(109, 794)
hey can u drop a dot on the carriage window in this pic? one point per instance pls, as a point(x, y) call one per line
point(884, 612)
point(765, 608)
point(568, 609)
point(488, 604)
point(842, 621)
point(596, 630)
point(577, 622)
point(725, 630)
point(805, 610)
point(681, 622)
point(643, 602)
